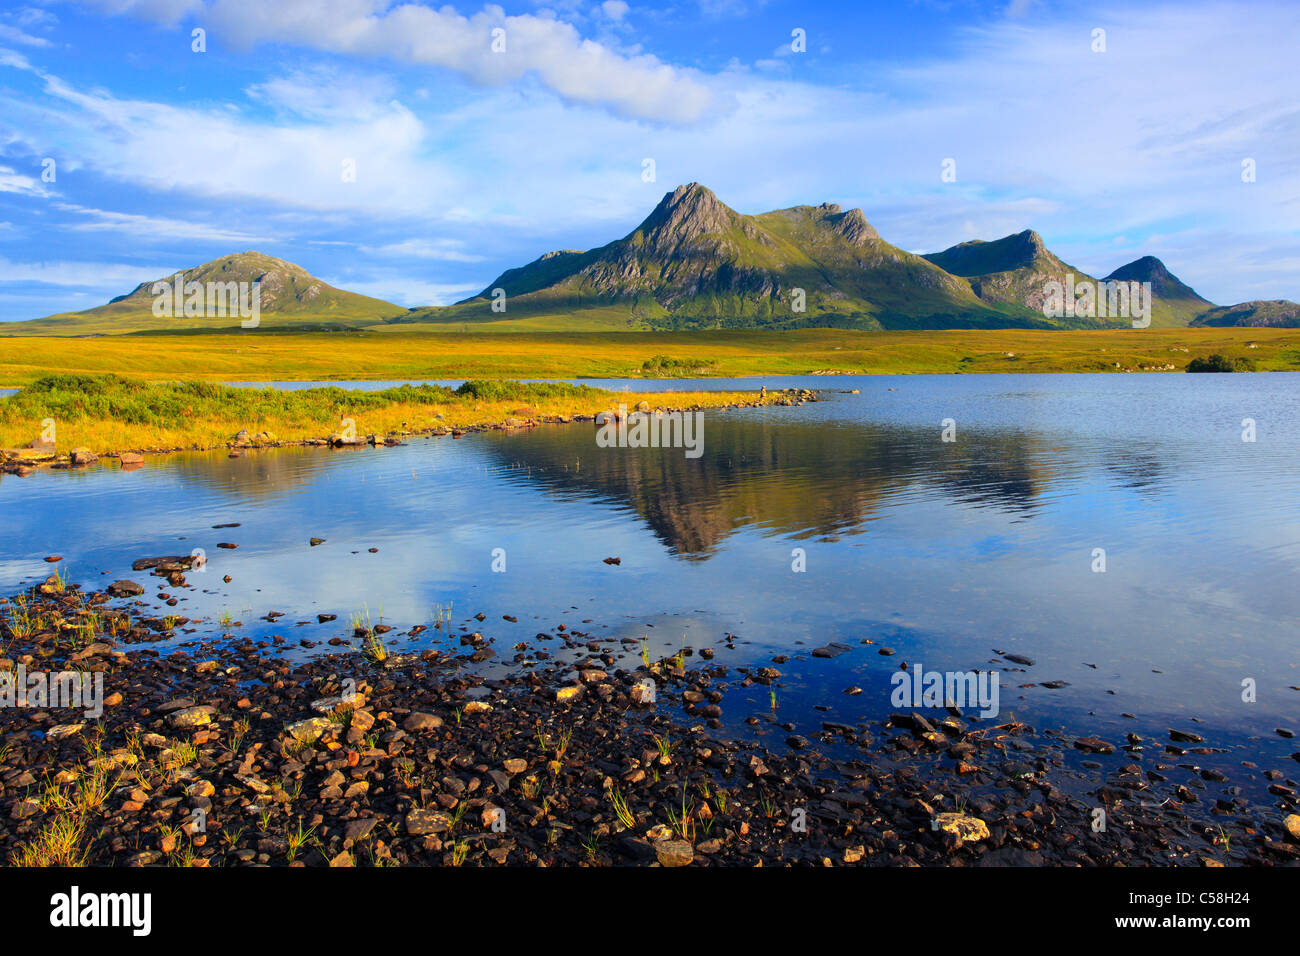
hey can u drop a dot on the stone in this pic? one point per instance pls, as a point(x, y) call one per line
point(191, 717)
point(643, 692)
point(359, 829)
point(478, 707)
point(308, 731)
point(1292, 824)
point(252, 783)
point(328, 705)
point(515, 765)
point(674, 853)
point(420, 822)
point(1094, 745)
point(83, 456)
point(568, 693)
point(419, 721)
point(967, 829)
point(125, 588)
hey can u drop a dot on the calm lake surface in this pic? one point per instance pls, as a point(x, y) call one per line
point(941, 551)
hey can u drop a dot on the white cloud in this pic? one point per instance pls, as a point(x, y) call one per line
point(156, 227)
point(15, 35)
point(294, 163)
point(84, 275)
point(580, 70)
point(614, 9)
point(327, 94)
point(448, 250)
point(12, 181)
point(407, 291)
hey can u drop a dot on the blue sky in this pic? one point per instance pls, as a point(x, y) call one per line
point(470, 161)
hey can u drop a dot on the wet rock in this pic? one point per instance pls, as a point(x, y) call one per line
point(830, 650)
point(125, 588)
point(1094, 745)
point(1292, 825)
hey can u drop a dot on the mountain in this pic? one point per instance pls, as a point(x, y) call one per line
point(290, 298)
point(1013, 270)
point(696, 263)
point(1261, 313)
point(1174, 303)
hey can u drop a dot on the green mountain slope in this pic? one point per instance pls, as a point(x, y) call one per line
point(290, 298)
point(1014, 270)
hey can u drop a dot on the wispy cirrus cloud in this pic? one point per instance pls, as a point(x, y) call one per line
point(447, 250)
point(12, 181)
point(157, 227)
point(79, 275)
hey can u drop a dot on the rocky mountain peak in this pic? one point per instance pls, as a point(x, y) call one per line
point(683, 215)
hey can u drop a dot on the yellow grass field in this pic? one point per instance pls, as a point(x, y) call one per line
point(414, 352)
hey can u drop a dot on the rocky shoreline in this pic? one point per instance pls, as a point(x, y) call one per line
point(230, 751)
point(25, 461)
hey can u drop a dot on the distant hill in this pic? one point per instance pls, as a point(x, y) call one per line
point(1174, 303)
point(696, 263)
point(1013, 270)
point(1261, 313)
point(290, 297)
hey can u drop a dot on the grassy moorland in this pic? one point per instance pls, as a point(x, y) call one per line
point(107, 414)
point(444, 352)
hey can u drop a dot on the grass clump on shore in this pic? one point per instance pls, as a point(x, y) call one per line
point(663, 366)
point(109, 413)
point(1218, 362)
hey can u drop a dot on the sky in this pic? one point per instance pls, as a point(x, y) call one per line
point(413, 152)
